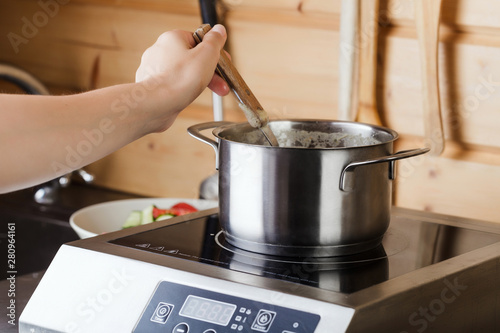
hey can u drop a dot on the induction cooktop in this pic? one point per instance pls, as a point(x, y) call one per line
point(407, 245)
point(431, 273)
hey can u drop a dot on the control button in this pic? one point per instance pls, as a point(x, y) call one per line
point(210, 331)
point(238, 318)
point(181, 328)
point(242, 310)
point(263, 321)
point(240, 328)
point(163, 310)
point(249, 312)
point(234, 326)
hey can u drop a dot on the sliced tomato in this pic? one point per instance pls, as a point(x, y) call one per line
point(182, 208)
point(157, 212)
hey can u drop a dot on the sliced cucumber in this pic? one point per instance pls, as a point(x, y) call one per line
point(164, 217)
point(147, 215)
point(133, 220)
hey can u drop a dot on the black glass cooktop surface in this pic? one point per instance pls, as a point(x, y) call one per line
point(409, 244)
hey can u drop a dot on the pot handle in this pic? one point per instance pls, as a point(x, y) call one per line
point(390, 158)
point(195, 132)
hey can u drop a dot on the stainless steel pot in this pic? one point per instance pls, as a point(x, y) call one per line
point(296, 201)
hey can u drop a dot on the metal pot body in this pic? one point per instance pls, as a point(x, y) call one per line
point(291, 201)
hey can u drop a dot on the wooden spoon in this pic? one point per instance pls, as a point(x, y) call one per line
point(348, 59)
point(427, 15)
point(367, 108)
point(251, 107)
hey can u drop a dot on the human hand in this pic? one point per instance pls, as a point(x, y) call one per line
point(174, 64)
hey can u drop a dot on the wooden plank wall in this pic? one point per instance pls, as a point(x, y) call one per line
point(287, 51)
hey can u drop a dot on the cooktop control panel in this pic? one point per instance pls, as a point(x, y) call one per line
point(176, 308)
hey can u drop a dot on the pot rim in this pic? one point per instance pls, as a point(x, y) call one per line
point(218, 130)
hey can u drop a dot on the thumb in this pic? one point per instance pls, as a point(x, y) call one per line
point(214, 40)
point(217, 34)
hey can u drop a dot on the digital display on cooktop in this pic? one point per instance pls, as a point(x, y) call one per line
point(407, 245)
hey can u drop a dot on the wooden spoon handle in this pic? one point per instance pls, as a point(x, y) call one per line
point(367, 108)
point(348, 60)
point(254, 112)
point(427, 16)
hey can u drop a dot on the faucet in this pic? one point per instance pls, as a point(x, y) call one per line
point(47, 192)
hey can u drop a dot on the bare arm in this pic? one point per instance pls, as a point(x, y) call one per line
point(43, 137)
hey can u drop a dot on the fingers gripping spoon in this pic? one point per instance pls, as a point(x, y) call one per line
point(251, 107)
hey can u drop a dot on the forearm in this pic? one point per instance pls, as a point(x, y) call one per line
point(44, 137)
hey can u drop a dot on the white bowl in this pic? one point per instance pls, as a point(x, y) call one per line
point(110, 216)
